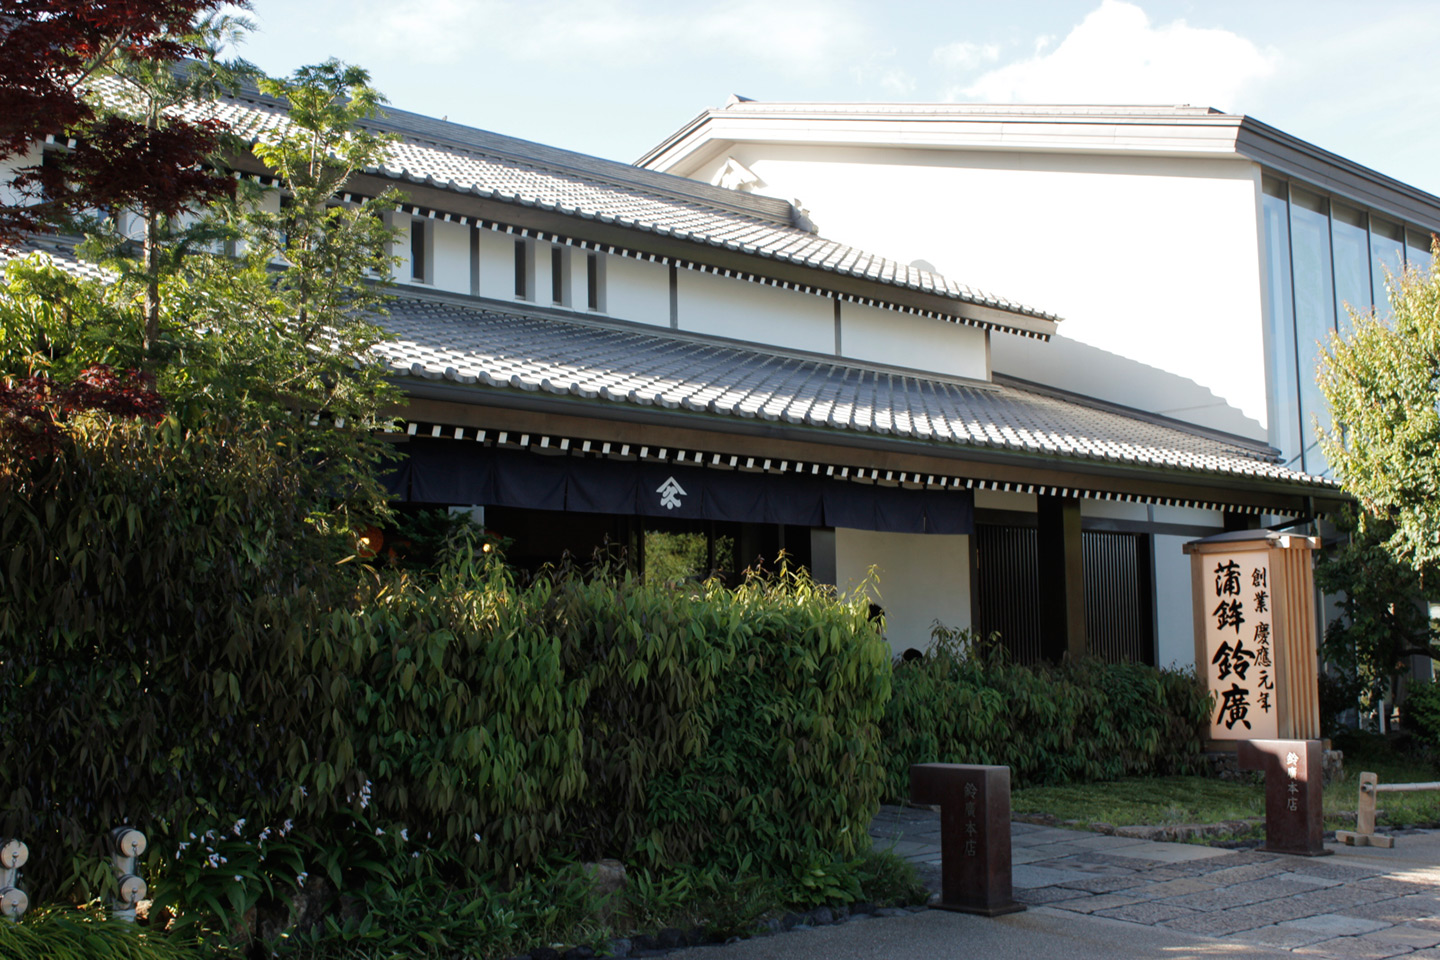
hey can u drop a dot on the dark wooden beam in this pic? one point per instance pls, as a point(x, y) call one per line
point(629, 423)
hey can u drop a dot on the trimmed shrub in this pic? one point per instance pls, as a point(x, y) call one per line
point(965, 702)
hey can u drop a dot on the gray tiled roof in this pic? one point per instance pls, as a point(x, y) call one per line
point(627, 364)
point(633, 364)
point(469, 161)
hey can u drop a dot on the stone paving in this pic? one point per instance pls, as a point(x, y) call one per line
point(1363, 903)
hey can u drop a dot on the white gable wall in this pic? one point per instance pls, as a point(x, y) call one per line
point(1154, 259)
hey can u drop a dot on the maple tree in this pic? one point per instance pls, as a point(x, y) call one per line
point(49, 51)
point(134, 151)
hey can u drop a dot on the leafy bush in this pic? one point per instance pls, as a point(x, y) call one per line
point(182, 633)
point(1421, 712)
point(157, 587)
point(965, 702)
point(603, 716)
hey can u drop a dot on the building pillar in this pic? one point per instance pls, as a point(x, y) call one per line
point(1061, 559)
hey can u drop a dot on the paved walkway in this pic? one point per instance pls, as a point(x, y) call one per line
point(1361, 902)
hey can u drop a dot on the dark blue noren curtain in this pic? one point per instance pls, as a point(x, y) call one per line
point(446, 471)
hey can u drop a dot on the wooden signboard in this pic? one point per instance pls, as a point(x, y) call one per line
point(1255, 634)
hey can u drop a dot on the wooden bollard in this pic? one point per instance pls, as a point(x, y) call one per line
point(1294, 818)
point(974, 834)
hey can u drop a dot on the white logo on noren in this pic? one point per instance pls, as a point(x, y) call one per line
point(670, 493)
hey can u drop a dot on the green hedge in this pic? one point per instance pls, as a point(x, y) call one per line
point(156, 589)
point(607, 717)
point(965, 702)
point(182, 650)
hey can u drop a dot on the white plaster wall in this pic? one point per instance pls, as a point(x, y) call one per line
point(1113, 509)
point(922, 578)
point(1174, 623)
point(741, 310)
point(497, 265)
point(1154, 259)
point(905, 340)
point(637, 290)
point(400, 248)
point(451, 259)
point(10, 166)
point(1191, 515)
point(1005, 500)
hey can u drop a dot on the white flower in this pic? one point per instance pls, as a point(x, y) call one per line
point(405, 834)
point(239, 825)
point(264, 834)
point(286, 827)
point(300, 879)
point(379, 832)
point(237, 878)
point(415, 855)
point(477, 838)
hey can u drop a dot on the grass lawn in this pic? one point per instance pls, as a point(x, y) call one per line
point(1173, 800)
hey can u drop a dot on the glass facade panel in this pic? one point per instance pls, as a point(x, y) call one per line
point(1387, 255)
point(1417, 251)
point(1352, 264)
point(1314, 310)
point(1282, 411)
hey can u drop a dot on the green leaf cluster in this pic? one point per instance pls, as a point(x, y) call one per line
point(966, 702)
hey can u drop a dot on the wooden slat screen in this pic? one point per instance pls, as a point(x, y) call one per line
point(1118, 605)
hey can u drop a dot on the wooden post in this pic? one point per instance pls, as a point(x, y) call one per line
point(1060, 556)
point(1294, 822)
point(974, 834)
point(1364, 833)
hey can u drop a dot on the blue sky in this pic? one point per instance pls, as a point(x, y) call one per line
point(614, 77)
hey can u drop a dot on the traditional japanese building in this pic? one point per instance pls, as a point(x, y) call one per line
point(598, 354)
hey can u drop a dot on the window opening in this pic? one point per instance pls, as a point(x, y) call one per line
point(522, 275)
point(417, 250)
point(557, 275)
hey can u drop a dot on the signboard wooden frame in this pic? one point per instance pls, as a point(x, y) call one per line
point(1286, 560)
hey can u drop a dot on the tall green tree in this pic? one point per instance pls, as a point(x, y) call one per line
point(284, 335)
point(1384, 447)
point(1384, 444)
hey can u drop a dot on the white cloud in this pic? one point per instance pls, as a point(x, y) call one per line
point(1116, 55)
point(964, 55)
point(798, 36)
